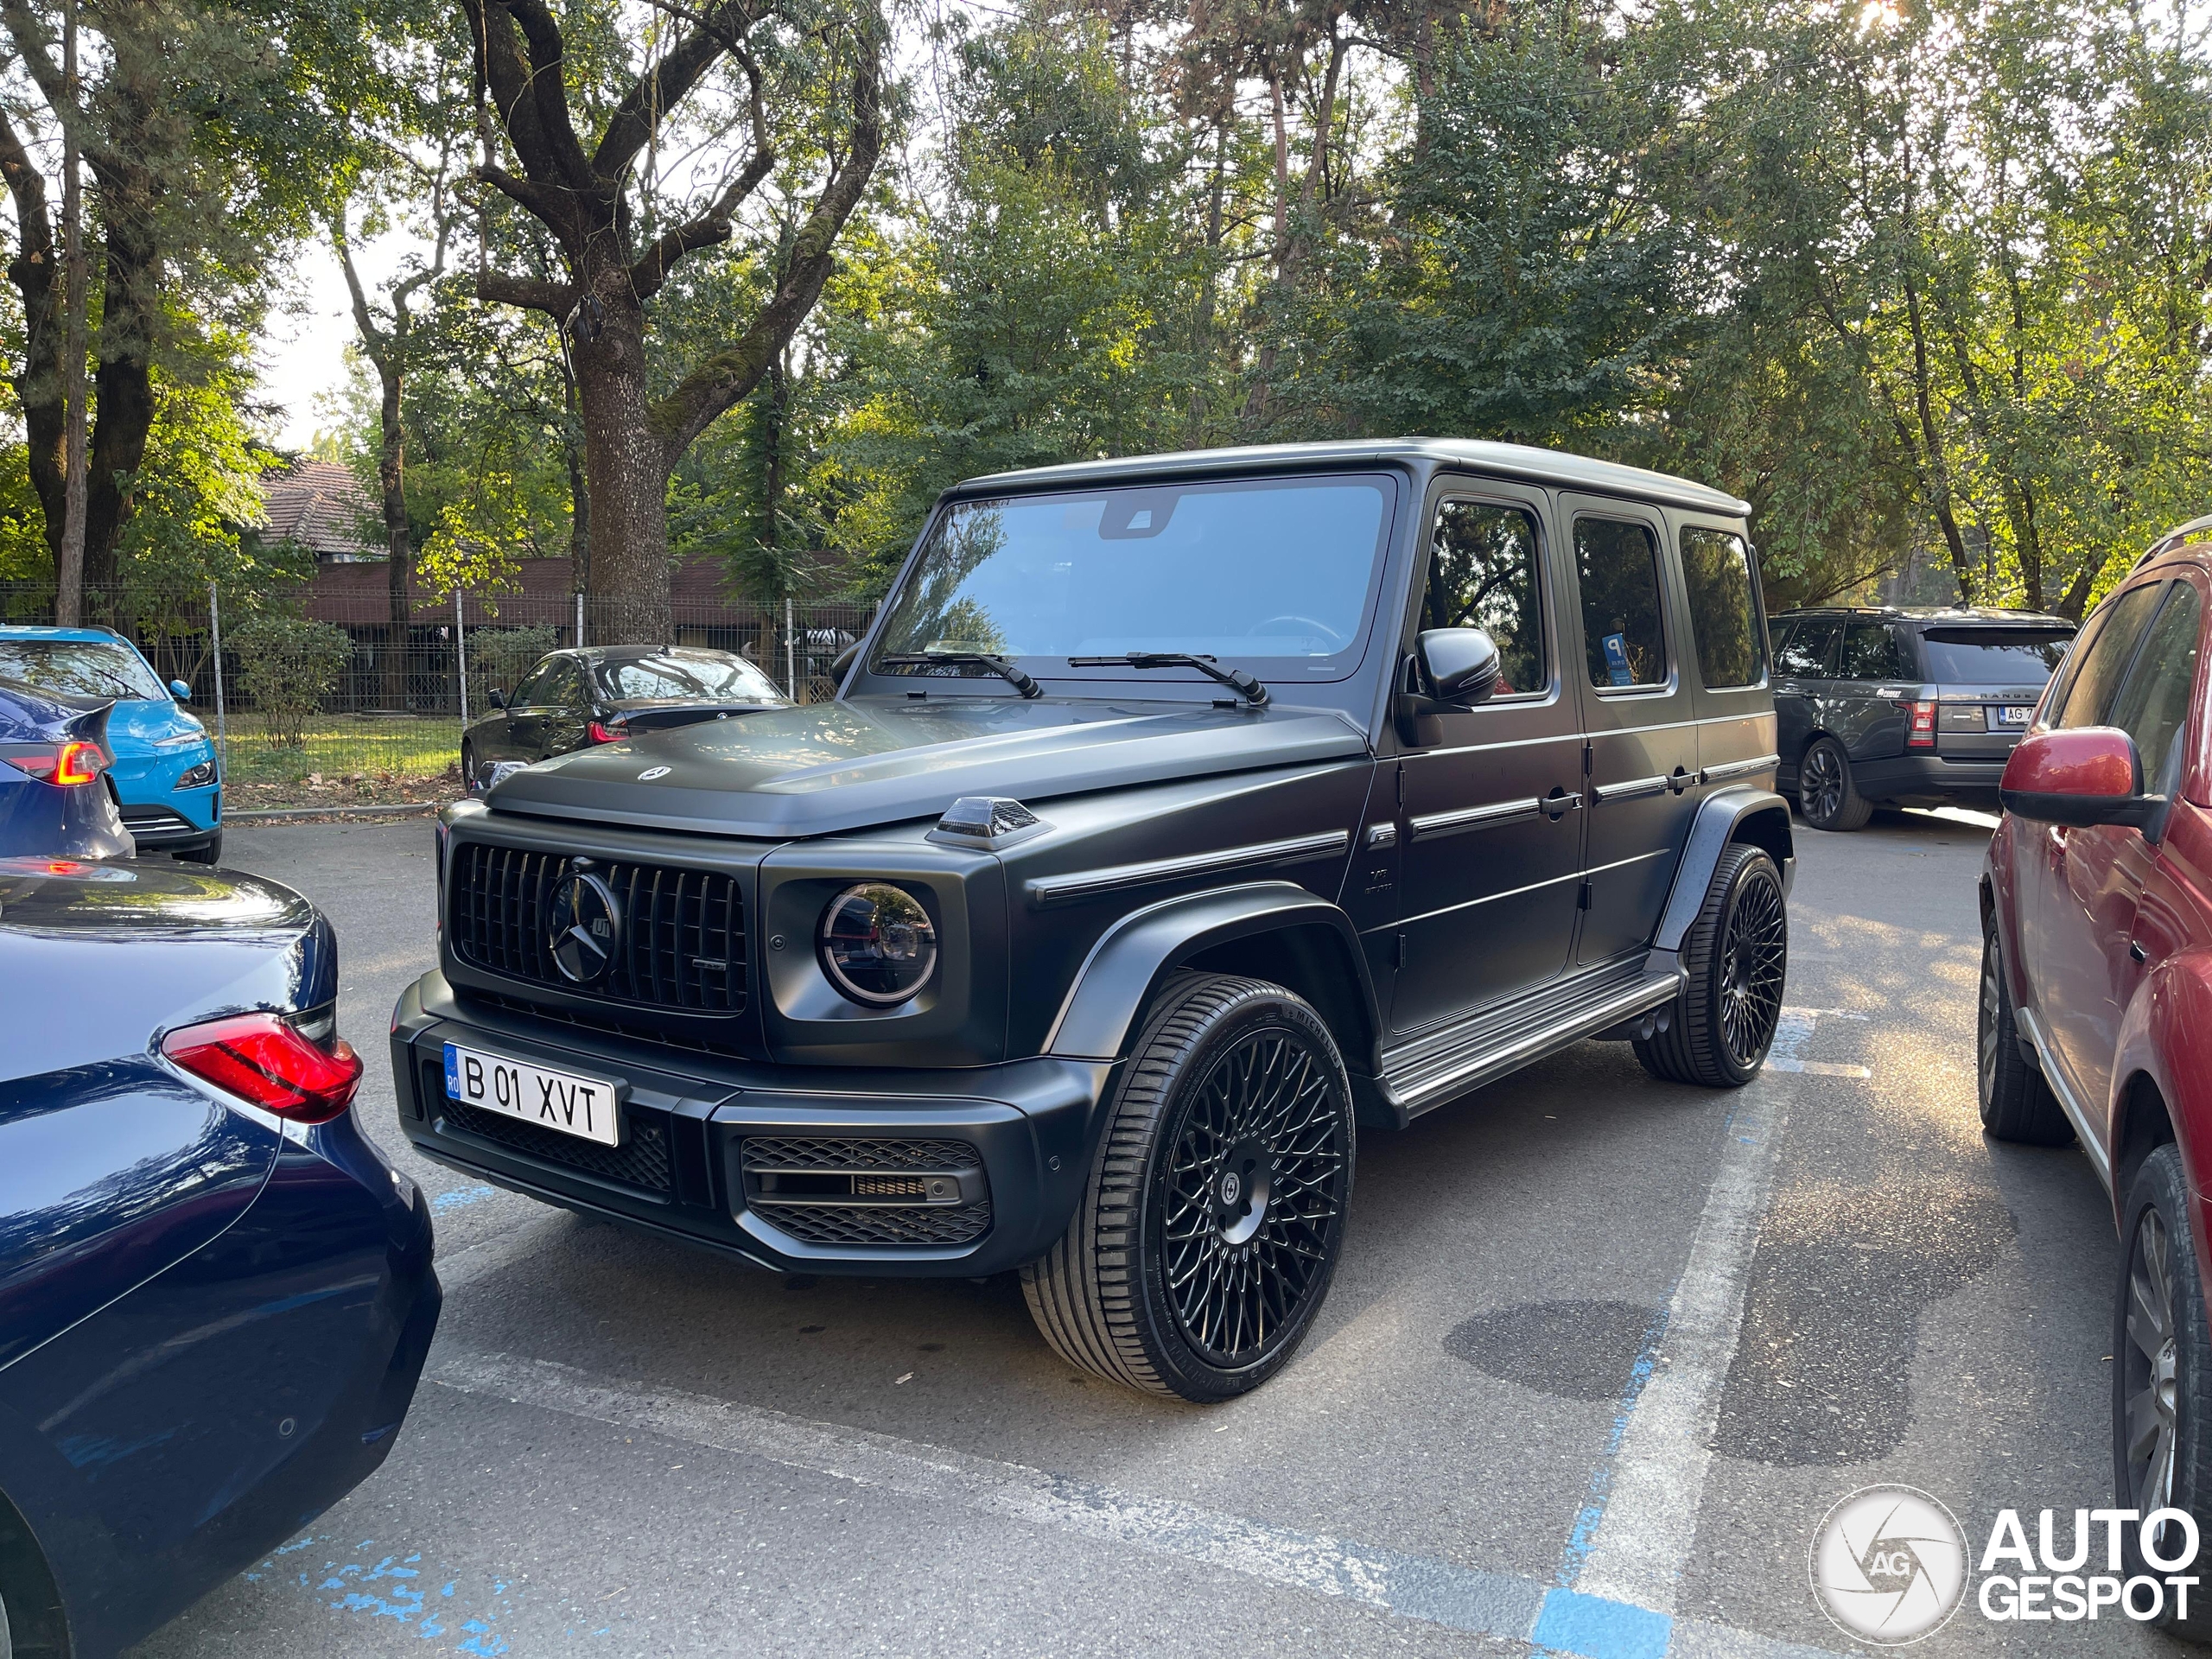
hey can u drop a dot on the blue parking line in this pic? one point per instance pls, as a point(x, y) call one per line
point(1598, 1628)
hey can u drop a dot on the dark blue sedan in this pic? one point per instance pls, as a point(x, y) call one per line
point(215, 1295)
point(56, 794)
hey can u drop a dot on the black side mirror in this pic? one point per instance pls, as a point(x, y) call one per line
point(1461, 663)
point(843, 662)
point(496, 697)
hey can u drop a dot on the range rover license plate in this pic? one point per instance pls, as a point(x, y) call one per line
point(552, 1100)
point(2015, 714)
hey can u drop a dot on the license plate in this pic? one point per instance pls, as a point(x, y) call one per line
point(584, 1107)
point(2015, 714)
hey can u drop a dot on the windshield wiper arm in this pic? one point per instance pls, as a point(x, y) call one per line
point(1235, 678)
point(998, 666)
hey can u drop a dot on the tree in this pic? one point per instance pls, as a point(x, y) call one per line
point(640, 415)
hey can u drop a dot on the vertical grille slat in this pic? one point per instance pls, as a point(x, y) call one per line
point(684, 946)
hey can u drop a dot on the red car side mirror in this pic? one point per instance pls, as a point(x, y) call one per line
point(2091, 774)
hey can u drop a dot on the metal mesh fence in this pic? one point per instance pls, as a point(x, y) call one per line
point(376, 716)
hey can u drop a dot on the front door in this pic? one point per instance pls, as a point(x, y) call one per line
point(1638, 705)
point(1489, 821)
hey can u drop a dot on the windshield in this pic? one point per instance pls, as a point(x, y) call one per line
point(704, 676)
point(2010, 655)
point(1273, 575)
point(80, 668)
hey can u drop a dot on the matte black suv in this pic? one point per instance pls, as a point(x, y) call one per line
point(1905, 705)
point(1177, 815)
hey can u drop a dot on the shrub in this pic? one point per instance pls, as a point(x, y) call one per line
point(288, 665)
point(501, 657)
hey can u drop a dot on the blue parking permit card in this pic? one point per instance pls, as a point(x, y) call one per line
point(1616, 667)
point(452, 1072)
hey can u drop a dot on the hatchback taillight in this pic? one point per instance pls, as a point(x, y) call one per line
point(1921, 733)
point(266, 1062)
point(73, 762)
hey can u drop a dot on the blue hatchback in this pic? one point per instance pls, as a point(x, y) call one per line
point(166, 774)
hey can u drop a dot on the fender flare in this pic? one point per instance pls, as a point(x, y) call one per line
point(1737, 813)
point(2173, 1002)
point(1132, 958)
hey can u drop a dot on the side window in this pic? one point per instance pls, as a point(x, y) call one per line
point(2153, 705)
point(566, 693)
point(1717, 569)
point(2094, 674)
point(1482, 574)
point(1873, 650)
point(535, 685)
point(1617, 565)
point(1812, 643)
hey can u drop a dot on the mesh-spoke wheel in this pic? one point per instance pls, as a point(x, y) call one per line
point(2162, 1365)
point(1825, 794)
point(1735, 963)
point(1215, 1211)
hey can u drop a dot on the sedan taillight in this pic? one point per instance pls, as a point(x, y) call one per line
point(73, 762)
point(265, 1061)
point(602, 732)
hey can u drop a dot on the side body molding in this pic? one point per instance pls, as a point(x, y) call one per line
point(1117, 979)
point(1737, 813)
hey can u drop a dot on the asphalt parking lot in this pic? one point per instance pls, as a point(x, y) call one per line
point(1591, 1330)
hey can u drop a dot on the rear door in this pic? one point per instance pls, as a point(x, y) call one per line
point(1639, 711)
point(1735, 707)
point(1868, 706)
point(1490, 832)
point(1803, 664)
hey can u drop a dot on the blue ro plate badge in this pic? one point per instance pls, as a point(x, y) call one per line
point(561, 1101)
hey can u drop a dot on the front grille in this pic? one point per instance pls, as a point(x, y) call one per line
point(833, 1190)
point(641, 1160)
point(683, 932)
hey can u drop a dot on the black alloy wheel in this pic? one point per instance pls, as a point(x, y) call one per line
point(1736, 965)
point(2162, 1364)
point(1214, 1214)
point(1825, 794)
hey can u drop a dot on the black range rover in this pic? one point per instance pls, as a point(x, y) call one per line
point(1177, 817)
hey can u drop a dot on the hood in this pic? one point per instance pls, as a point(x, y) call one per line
point(833, 766)
point(137, 724)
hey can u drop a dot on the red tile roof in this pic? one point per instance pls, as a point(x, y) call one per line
point(321, 505)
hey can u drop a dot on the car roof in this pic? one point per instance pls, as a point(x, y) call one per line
point(104, 636)
point(1942, 615)
point(596, 655)
point(1514, 460)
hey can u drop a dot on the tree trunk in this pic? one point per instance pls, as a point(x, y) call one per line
point(628, 465)
point(399, 538)
point(123, 386)
point(578, 492)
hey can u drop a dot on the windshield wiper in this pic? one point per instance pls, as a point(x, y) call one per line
point(998, 666)
point(1235, 678)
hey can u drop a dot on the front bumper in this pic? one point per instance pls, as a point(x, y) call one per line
point(184, 818)
point(1930, 780)
point(1021, 1134)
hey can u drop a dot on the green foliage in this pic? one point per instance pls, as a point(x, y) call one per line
point(500, 657)
point(287, 666)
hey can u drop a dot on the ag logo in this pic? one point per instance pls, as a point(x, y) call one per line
point(584, 924)
point(1889, 1565)
point(652, 772)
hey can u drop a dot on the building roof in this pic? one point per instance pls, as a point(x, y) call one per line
point(320, 504)
point(1511, 460)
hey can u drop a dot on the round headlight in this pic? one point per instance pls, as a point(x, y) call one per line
point(878, 945)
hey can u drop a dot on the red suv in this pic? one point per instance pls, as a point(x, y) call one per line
point(2096, 988)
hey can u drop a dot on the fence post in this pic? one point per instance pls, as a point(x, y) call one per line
point(791, 653)
point(460, 653)
point(215, 638)
point(580, 620)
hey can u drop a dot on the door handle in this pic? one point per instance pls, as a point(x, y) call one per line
point(2137, 952)
point(1558, 804)
point(1679, 780)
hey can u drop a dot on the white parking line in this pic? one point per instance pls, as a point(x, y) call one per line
point(1440, 1593)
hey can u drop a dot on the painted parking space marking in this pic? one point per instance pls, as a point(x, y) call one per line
point(1439, 1593)
point(1794, 1030)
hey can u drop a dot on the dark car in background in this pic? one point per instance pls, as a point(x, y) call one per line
point(57, 798)
point(574, 698)
point(215, 1295)
point(1905, 705)
point(1177, 813)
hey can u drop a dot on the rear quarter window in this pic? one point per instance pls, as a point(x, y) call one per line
point(1717, 570)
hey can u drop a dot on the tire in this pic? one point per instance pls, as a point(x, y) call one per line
point(1737, 960)
point(1229, 1079)
point(2016, 1101)
point(211, 853)
point(2161, 1454)
point(468, 768)
point(1825, 794)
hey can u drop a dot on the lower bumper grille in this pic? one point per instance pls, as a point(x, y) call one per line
point(642, 1159)
point(834, 1191)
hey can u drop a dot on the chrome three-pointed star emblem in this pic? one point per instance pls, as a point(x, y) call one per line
point(584, 925)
